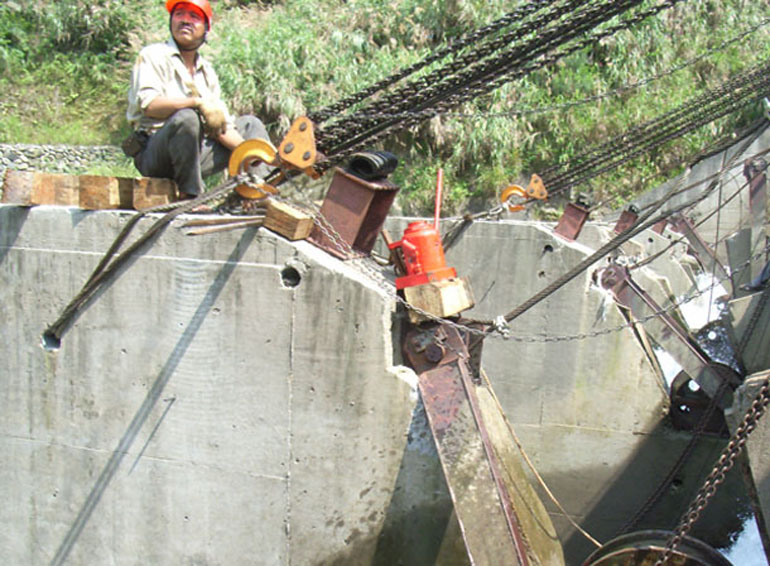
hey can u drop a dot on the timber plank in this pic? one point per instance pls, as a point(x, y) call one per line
point(90, 192)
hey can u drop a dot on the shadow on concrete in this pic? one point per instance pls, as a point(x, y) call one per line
point(12, 219)
point(642, 474)
point(151, 399)
point(113, 263)
point(420, 509)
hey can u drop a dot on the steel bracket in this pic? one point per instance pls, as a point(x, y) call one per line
point(572, 221)
point(669, 333)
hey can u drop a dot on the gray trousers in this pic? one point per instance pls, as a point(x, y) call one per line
point(181, 152)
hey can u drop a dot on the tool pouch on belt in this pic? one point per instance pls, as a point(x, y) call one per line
point(134, 143)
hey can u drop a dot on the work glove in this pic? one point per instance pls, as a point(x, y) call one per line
point(213, 114)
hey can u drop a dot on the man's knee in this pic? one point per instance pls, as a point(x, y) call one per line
point(185, 121)
point(250, 127)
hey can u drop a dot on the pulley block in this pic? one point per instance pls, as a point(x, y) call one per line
point(535, 190)
point(251, 153)
point(645, 548)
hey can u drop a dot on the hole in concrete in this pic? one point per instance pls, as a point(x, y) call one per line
point(541, 274)
point(548, 248)
point(50, 342)
point(290, 277)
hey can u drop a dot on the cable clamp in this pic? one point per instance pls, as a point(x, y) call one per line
point(501, 326)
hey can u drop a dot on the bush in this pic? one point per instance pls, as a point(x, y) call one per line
point(30, 32)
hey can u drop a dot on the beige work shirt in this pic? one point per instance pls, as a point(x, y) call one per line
point(160, 71)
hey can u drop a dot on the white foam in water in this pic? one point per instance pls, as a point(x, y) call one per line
point(704, 308)
point(747, 549)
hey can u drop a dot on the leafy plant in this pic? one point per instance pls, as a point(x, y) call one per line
point(64, 72)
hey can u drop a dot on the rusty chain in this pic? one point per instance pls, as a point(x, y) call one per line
point(717, 476)
point(485, 76)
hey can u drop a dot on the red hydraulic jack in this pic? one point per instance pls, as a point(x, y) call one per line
point(428, 285)
point(422, 251)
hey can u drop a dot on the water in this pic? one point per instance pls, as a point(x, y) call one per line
point(747, 549)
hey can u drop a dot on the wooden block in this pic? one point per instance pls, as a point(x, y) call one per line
point(440, 298)
point(149, 192)
point(17, 187)
point(287, 220)
point(99, 193)
point(33, 188)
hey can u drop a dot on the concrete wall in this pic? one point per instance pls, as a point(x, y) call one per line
point(203, 410)
point(199, 411)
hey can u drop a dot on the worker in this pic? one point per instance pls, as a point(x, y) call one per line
point(182, 128)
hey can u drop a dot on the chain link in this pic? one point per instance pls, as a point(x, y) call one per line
point(717, 476)
point(451, 90)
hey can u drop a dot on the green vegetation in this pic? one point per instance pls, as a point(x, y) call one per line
point(64, 68)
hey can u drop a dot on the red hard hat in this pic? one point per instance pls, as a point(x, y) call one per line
point(202, 4)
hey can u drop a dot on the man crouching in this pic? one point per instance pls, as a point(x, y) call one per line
point(182, 128)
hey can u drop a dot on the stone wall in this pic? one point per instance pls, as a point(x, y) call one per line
point(73, 159)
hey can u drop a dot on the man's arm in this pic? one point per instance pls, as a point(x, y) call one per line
point(230, 139)
point(162, 107)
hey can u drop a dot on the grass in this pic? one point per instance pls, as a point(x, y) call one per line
point(66, 83)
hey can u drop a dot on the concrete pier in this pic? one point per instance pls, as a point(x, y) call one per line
point(240, 399)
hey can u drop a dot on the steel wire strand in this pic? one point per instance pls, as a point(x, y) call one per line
point(450, 49)
point(607, 94)
point(657, 141)
point(522, 34)
point(482, 74)
point(505, 73)
point(643, 222)
point(715, 100)
point(554, 175)
point(410, 95)
point(109, 265)
point(406, 97)
point(445, 83)
point(616, 91)
point(613, 159)
point(486, 87)
point(617, 155)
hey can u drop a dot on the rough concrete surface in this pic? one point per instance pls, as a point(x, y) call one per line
point(199, 411)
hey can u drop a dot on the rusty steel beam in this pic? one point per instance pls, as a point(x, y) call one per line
point(669, 333)
point(501, 519)
point(703, 252)
point(755, 171)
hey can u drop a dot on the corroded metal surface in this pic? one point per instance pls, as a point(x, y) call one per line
point(501, 518)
